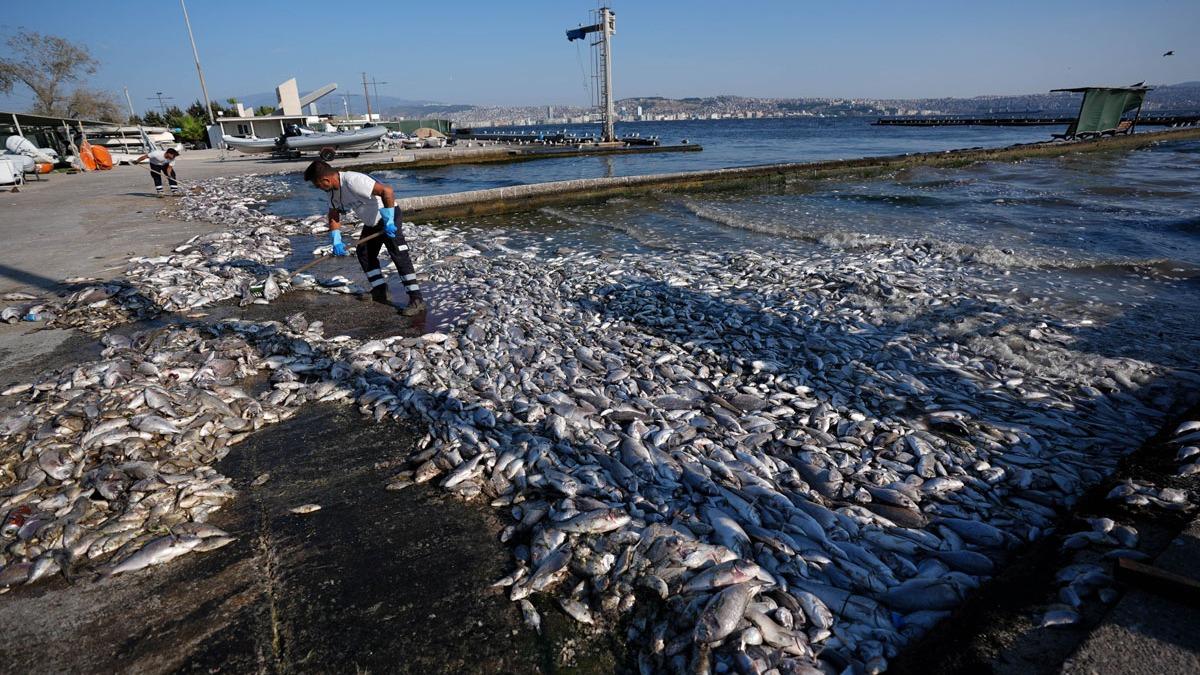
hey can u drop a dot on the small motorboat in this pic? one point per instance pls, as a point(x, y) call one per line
point(341, 141)
point(251, 145)
point(298, 140)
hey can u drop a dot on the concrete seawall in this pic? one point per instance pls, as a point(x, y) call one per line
point(528, 197)
point(502, 154)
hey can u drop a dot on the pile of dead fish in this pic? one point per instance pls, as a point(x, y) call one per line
point(809, 462)
point(1187, 437)
point(241, 261)
point(1092, 550)
point(225, 264)
point(1088, 575)
point(108, 465)
point(773, 461)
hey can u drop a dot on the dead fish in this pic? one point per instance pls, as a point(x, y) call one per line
point(530, 614)
point(270, 289)
point(595, 522)
point(305, 508)
point(1059, 617)
point(157, 552)
point(721, 615)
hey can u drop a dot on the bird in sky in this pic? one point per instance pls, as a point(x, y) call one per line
point(1170, 53)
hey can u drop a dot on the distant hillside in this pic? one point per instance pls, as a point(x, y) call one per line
point(1185, 95)
point(388, 105)
point(1182, 96)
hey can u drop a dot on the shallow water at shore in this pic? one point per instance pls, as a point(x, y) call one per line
point(1115, 230)
point(726, 143)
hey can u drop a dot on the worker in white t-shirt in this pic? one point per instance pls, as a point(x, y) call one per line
point(375, 205)
point(161, 165)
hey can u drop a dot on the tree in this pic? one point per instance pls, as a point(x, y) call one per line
point(91, 104)
point(44, 63)
point(154, 119)
point(191, 129)
point(173, 113)
point(196, 109)
point(264, 110)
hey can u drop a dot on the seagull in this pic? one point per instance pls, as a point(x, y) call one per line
point(1170, 53)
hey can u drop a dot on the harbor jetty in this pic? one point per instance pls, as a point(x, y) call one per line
point(504, 152)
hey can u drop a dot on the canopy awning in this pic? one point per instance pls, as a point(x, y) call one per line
point(1103, 107)
point(31, 120)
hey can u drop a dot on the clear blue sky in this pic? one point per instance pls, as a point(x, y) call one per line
point(511, 53)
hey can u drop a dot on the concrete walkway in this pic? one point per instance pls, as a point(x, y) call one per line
point(1147, 633)
point(89, 224)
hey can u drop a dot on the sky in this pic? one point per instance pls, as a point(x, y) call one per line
point(516, 53)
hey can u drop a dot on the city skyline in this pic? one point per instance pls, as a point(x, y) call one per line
point(486, 54)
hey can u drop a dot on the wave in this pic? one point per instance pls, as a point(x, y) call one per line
point(966, 253)
point(1126, 191)
point(641, 236)
point(1190, 225)
point(892, 200)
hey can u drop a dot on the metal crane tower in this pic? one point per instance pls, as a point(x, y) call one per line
point(606, 26)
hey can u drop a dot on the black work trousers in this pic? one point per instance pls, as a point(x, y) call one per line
point(397, 247)
point(157, 173)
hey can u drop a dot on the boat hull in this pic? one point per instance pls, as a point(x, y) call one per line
point(359, 139)
point(250, 146)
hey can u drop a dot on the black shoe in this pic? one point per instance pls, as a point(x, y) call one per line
point(416, 305)
point(378, 294)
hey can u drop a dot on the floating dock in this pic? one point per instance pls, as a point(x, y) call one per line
point(529, 197)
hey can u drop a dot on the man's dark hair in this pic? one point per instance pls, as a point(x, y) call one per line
point(318, 169)
point(171, 151)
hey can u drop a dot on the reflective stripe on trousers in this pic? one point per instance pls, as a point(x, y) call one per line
point(397, 247)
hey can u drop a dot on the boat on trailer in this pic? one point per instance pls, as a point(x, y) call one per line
point(298, 141)
point(340, 141)
point(251, 145)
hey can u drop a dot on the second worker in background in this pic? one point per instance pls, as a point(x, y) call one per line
point(375, 205)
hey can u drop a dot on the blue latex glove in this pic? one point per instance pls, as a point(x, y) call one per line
point(388, 215)
point(338, 247)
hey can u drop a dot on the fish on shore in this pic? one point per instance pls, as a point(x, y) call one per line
point(801, 461)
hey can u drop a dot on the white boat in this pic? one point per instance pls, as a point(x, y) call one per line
point(305, 140)
point(251, 145)
point(342, 141)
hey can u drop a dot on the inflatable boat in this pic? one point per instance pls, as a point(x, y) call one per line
point(302, 140)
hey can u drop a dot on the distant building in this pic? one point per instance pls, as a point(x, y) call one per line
point(263, 126)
